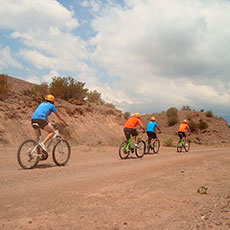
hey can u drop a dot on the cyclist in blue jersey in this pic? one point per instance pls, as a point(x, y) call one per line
point(39, 119)
point(152, 125)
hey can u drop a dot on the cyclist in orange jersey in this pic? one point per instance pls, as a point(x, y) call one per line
point(183, 129)
point(130, 127)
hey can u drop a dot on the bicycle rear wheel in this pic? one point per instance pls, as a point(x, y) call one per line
point(123, 150)
point(156, 146)
point(179, 147)
point(27, 154)
point(140, 150)
point(61, 152)
point(186, 146)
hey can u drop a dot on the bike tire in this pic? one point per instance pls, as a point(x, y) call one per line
point(156, 146)
point(186, 146)
point(147, 148)
point(60, 157)
point(140, 151)
point(179, 147)
point(24, 157)
point(122, 150)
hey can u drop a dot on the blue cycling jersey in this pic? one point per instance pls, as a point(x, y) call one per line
point(151, 126)
point(44, 110)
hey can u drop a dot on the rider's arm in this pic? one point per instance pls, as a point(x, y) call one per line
point(142, 127)
point(60, 118)
point(158, 129)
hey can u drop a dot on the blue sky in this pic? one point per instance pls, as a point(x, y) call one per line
point(142, 55)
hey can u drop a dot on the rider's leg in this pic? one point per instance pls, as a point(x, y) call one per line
point(49, 129)
point(37, 134)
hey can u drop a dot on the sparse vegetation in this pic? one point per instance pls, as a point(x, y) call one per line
point(209, 113)
point(110, 105)
point(94, 96)
point(186, 107)
point(203, 124)
point(126, 115)
point(3, 86)
point(37, 92)
point(66, 88)
point(193, 126)
point(168, 141)
point(172, 116)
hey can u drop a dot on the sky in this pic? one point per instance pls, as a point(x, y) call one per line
point(142, 55)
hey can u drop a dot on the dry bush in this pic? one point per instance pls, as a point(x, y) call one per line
point(126, 115)
point(186, 107)
point(76, 101)
point(172, 116)
point(3, 86)
point(94, 96)
point(203, 124)
point(37, 92)
point(168, 141)
point(193, 126)
point(110, 105)
point(209, 113)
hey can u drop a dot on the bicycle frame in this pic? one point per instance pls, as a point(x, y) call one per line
point(56, 133)
point(182, 142)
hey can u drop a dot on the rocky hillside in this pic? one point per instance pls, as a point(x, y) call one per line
point(217, 132)
point(91, 124)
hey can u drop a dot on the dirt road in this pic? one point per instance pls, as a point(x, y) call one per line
point(97, 190)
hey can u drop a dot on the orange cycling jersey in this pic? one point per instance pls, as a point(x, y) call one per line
point(183, 127)
point(132, 123)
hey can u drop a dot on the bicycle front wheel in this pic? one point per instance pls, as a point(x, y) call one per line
point(61, 152)
point(27, 154)
point(179, 147)
point(124, 150)
point(156, 146)
point(186, 146)
point(140, 150)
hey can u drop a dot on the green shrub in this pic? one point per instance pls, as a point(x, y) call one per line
point(67, 88)
point(193, 126)
point(94, 96)
point(168, 141)
point(203, 125)
point(172, 116)
point(209, 113)
point(4, 87)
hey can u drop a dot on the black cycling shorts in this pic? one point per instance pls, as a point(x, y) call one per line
point(151, 135)
point(181, 134)
point(130, 132)
point(41, 123)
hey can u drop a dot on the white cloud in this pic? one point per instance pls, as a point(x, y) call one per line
point(174, 51)
point(21, 15)
point(7, 60)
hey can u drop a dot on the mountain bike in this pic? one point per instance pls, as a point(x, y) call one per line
point(30, 152)
point(183, 144)
point(153, 146)
point(128, 147)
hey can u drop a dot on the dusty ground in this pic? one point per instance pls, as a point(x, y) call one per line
point(97, 190)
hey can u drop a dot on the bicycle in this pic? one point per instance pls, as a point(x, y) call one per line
point(183, 144)
point(128, 147)
point(29, 152)
point(153, 145)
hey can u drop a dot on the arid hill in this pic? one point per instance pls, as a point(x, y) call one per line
point(91, 124)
